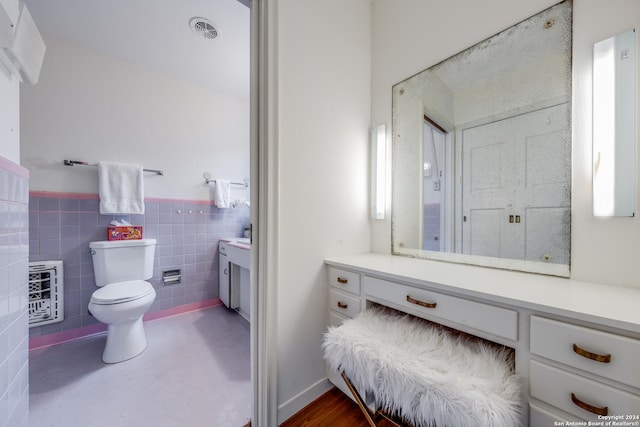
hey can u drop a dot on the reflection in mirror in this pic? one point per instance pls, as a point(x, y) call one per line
point(614, 126)
point(482, 152)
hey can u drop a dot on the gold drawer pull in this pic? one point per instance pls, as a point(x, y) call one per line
point(343, 280)
point(590, 408)
point(342, 305)
point(421, 303)
point(602, 358)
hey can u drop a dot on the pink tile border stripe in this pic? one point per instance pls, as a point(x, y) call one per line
point(91, 196)
point(14, 168)
point(49, 340)
point(181, 309)
point(59, 194)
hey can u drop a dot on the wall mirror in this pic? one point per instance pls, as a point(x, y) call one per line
point(614, 125)
point(482, 152)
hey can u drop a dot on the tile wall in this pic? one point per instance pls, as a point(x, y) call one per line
point(431, 228)
point(14, 337)
point(63, 224)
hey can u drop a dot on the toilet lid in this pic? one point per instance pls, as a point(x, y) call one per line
point(119, 292)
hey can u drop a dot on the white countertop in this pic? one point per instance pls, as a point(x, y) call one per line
point(614, 306)
point(239, 242)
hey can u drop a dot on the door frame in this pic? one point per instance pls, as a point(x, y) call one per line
point(264, 203)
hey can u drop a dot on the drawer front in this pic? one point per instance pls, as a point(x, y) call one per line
point(540, 417)
point(346, 305)
point(344, 280)
point(555, 340)
point(336, 319)
point(555, 387)
point(494, 320)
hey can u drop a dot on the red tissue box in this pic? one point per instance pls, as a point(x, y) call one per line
point(128, 232)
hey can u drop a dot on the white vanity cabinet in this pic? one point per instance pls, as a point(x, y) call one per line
point(344, 295)
point(577, 344)
point(583, 371)
point(235, 276)
point(344, 303)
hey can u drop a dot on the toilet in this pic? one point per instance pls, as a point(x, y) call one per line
point(120, 269)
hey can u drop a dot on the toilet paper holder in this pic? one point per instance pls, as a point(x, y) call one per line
point(172, 277)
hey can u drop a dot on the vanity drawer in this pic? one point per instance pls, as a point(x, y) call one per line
point(336, 319)
point(344, 304)
point(555, 387)
point(430, 305)
point(540, 417)
point(345, 280)
point(578, 346)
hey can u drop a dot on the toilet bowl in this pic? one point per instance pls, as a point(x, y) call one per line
point(123, 295)
point(121, 306)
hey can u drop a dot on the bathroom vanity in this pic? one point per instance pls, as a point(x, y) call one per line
point(577, 344)
point(234, 274)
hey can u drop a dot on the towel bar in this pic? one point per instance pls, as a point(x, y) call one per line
point(77, 162)
point(209, 181)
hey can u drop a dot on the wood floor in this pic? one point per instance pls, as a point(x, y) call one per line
point(332, 409)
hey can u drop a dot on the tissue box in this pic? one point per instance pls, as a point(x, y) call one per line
point(124, 232)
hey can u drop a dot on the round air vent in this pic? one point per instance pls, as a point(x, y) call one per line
point(203, 27)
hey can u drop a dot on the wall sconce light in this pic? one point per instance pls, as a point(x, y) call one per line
point(614, 125)
point(378, 170)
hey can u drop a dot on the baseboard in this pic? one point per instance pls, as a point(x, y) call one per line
point(302, 399)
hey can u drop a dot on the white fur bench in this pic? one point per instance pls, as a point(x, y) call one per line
point(423, 373)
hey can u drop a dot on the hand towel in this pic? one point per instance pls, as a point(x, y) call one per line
point(222, 193)
point(121, 188)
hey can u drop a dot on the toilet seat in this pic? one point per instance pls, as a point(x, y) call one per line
point(121, 292)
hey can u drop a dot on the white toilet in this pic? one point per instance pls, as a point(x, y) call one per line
point(120, 269)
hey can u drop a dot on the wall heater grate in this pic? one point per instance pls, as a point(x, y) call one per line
point(45, 293)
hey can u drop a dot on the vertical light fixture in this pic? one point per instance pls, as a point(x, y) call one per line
point(378, 170)
point(614, 129)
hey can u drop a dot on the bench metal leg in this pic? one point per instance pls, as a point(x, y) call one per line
point(359, 401)
point(371, 418)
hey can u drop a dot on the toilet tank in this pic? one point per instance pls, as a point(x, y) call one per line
point(122, 260)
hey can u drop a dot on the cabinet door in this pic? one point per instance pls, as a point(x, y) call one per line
point(223, 280)
point(539, 417)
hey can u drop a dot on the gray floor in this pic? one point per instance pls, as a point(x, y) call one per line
point(195, 372)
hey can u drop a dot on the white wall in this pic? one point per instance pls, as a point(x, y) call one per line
point(603, 250)
point(323, 110)
point(9, 116)
point(91, 106)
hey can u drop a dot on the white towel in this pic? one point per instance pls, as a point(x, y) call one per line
point(121, 188)
point(222, 193)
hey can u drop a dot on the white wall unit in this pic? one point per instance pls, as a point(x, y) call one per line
point(46, 293)
point(540, 317)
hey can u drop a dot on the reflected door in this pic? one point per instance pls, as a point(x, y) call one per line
point(516, 187)
point(488, 187)
point(543, 183)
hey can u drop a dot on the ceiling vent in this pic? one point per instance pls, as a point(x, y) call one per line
point(203, 27)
